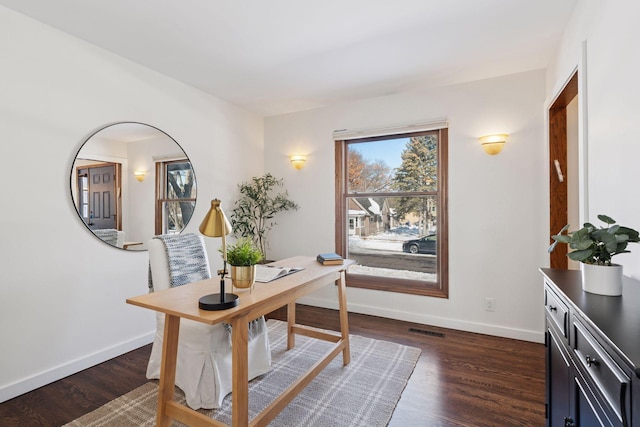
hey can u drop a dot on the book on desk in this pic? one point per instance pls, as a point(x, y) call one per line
point(267, 273)
point(330, 259)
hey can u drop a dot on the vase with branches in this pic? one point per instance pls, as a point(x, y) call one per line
point(255, 210)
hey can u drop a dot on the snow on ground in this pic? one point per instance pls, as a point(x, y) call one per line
point(388, 272)
point(387, 241)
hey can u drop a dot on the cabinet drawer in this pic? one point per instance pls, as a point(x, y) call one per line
point(557, 310)
point(600, 368)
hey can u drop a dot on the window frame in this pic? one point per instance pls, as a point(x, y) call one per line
point(161, 192)
point(439, 289)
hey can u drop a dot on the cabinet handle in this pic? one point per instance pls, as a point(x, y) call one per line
point(568, 422)
point(591, 361)
point(552, 308)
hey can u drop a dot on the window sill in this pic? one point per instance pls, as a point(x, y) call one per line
point(412, 287)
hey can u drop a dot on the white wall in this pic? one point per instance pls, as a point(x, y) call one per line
point(498, 204)
point(612, 96)
point(62, 296)
point(572, 175)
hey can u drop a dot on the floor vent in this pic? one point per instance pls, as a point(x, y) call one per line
point(425, 332)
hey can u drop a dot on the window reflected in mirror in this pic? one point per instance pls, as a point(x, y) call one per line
point(176, 196)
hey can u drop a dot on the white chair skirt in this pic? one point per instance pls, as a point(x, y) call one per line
point(203, 368)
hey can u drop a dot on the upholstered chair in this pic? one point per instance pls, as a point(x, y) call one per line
point(203, 368)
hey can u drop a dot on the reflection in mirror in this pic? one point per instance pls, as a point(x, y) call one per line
point(130, 181)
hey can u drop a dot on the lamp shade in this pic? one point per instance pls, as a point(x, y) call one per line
point(297, 160)
point(492, 144)
point(215, 223)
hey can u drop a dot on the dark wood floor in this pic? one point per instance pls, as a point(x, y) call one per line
point(461, 379)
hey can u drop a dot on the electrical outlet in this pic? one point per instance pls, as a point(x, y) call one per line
point(489, 304)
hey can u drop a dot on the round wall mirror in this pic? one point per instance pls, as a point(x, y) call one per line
point(131, 181)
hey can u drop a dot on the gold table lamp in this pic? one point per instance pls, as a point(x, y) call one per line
point(215, 224)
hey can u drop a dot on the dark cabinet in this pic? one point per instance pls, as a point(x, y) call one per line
point(593, 353)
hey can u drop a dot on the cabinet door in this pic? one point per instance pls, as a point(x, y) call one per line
point(588, 412)
point(558, 382)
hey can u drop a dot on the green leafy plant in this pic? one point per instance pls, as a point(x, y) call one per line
point(593, 245)
point(254, 212)
point(243, 252)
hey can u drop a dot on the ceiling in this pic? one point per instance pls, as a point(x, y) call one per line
point(279, 56)
point(129, 132)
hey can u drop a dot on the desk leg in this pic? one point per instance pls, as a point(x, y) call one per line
point(168, 368)
point(291, 321)
point(344, 318)
point(240, 371)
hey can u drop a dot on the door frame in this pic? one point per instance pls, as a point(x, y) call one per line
point(558, 194)
point(575, 85)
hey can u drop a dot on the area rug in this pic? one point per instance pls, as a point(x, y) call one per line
point(363, 393)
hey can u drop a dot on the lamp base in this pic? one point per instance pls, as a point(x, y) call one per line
point(213, 302)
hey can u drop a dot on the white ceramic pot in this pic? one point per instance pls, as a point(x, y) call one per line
point(602, 279)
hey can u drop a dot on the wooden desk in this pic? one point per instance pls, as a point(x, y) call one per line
point(182, 302)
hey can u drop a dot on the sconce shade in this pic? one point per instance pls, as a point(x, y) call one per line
point(297, 160)
point(493, 144)
point(139, 175)
point(215, 223)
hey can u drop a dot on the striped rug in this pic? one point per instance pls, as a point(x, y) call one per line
point(363, 393)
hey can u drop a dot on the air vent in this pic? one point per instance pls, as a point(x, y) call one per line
point(425, 332)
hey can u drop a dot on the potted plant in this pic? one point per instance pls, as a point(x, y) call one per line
point(243, 257)
point(254, 212)
point(594, 247)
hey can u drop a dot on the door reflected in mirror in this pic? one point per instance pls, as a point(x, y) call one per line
point(131, 181)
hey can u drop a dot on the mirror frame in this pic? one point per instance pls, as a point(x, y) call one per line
point(122, 172)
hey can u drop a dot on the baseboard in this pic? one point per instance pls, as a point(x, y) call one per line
point(443, 322)
point(47, 377)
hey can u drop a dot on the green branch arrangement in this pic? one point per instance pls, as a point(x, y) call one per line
point(255, 210)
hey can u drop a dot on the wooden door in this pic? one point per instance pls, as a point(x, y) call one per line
point(97, 196)
point(558, 166)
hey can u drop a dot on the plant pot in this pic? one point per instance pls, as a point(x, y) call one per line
point(602, 279)
point(243, 276)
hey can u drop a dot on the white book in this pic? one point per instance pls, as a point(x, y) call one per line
point(267, 273)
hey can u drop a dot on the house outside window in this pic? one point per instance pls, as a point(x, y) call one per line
point(391, 211)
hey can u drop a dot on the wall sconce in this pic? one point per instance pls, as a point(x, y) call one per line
point(140, 175)
point(493, 144)
point(297, 160)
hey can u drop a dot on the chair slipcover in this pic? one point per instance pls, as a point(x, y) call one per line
point(111, 236)
point(203, 368)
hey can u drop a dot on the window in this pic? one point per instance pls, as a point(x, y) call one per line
point(83, 195)
point(391, 212)
point(175, 196)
